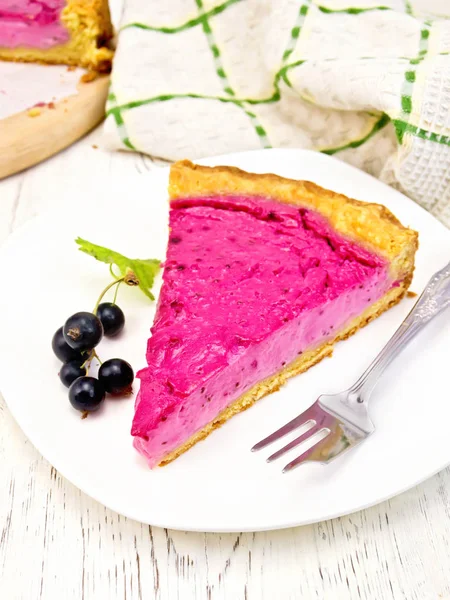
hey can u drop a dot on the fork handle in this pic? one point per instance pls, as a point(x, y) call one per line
point(434, 299)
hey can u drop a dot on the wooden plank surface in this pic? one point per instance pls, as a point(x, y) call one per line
point(57, 543)
point(26, 140)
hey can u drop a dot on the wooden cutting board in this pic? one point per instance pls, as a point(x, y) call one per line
point(27, 140)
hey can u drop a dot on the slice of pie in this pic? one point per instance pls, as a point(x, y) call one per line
point(263, 276)
point(72, 32)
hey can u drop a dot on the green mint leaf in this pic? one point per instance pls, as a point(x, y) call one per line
point(145, 270)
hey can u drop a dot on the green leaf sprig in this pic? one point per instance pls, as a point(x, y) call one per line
point(133, 271)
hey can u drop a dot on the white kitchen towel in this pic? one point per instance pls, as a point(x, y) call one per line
point(365, 80)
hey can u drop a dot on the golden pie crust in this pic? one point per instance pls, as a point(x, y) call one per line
point(371, 225)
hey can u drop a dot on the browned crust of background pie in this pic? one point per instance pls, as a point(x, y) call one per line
point(371, 225)
point(90, 29)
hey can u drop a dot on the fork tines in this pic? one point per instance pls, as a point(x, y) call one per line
point(316, 424)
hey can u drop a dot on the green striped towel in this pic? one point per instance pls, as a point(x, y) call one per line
point(365, 82)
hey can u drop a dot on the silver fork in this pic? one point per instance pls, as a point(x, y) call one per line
point(341, 421)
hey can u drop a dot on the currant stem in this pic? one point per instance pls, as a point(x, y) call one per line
point(89, 358)
point(87, 363)
point(115, 293)
point(95, 355)
point(107, 288)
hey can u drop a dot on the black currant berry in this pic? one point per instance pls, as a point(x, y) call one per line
point(71, 371)
point(83, 331)
point(116, 376)
point(112, 318)
point(86, 394)
point(62, 349)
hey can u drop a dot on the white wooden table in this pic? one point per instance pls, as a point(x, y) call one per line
point(57, 543)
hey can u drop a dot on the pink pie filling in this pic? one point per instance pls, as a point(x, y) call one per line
point(31, 23)
point(249, 284)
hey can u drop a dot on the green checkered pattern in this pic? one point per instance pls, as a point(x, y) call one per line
point(308, 80)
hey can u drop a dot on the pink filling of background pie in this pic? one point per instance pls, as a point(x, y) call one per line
point(32, 23)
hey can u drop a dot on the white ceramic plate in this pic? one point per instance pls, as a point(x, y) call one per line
point(219, 485)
